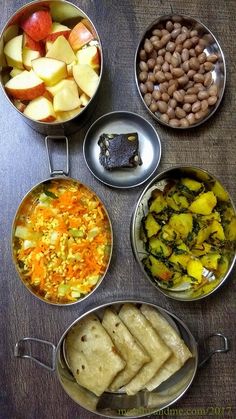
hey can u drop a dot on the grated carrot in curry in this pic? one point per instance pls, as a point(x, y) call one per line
point(62, 241)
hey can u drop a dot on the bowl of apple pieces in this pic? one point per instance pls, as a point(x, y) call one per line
point(50, 61)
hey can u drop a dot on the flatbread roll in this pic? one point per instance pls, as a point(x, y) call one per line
point(158, 351)
point(91, 355)
point(169, 335)
point(130, 350)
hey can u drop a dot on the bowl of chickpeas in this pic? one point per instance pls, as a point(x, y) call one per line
point(180, 71)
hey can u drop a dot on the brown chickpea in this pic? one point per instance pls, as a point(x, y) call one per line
point(187, 44)
point(202, 58)
point(143, 66)
point(165, 39)
point(208, 66)
point(156, 94)
point(194, 32)
point(199, 49)
point(153, 107)
point(212, 58)
point(169, 26)
point(157, 32)
point(198, 78)
point(178, 96)
point(160, 59)
point(174, 123)
point(165, 67)
point(184, 122)
point(204, 105)
point(213, 90)
point(143, 76)
point(143, 88)
point(190, 98)
point(203, 94)
point(160, 76)
point(151, 63)
point(212, 100)
point(162, 51)
point(179, 48)
point(200, 114)
point(183, 80)
point(173, 103)
point(162, 106)
point(185, 55)
point(154, 38)
point(164, 32)
point(194, 63)
point(208, 79)
point(148, 46)
point(175, 33)
point(165, 97)
point(180, 113)
point(196, 106)
point(157, 44)
point(143, 55)
point(170, 112)
point(164, 118)
point(148, 99)
point(163, 87)
point(151, 77)
point(191, 118)
point(192, 52)
point(177, 24)
point(150, 86)
point(168, 76)
point(187, 107)
point(195, 40)
point(170, 46)
point(156, 68)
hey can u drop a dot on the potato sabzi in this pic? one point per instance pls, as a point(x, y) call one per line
point(189, 235)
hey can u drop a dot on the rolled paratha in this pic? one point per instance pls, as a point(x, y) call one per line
point(130, 350)
point(92, 356)
point(170, 336)
point(143, 331)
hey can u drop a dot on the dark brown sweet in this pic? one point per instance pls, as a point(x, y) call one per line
point(119, 151)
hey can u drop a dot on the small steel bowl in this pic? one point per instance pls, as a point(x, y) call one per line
point(72, 14)
point(141, 210)
point(212, 47)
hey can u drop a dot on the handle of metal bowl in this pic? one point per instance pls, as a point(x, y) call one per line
point(56, 172)
point(21, 352)
point(223, 348)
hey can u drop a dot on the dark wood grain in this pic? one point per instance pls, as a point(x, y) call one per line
point(30, 392)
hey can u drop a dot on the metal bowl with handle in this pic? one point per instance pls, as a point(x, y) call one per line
point(56, 294)
point(119, 404)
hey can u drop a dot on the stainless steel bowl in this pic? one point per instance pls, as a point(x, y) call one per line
point(115, 405)
point(60, 176)
point(141, 210)
point(212, 47)
point(72, 15)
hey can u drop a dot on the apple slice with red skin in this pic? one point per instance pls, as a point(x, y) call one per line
point(89, 55)
point(80, 36)
point(40, 109)
point(37, 25)
point(57, 30)
point(25, 86)
point(28, 42)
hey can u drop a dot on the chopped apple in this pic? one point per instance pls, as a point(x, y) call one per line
point(37, 25)
point(70, 68)
point(28, 42)
point(48, 96)
point(28, 55)
point(40, 109)
point(48, 45)
point(90, 56)
point(13, 52)
point(15, 72)
point(57, 30)
point(79, 36)
point(25, 86)
point(19, 105)
point(61, 50)
point(86, 78)
point(84, 99)
point(89, 26)
point(66, 99)
point(64, 116)
point(66, 83)
point(10, 32)
point(51, 71)
point(62, 11)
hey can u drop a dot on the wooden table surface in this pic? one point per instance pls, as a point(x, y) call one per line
point(28, 391)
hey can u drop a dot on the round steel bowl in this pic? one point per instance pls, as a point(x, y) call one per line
point(33, 192)
point(73, 14)
point(212, 47)
point(141, 210)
